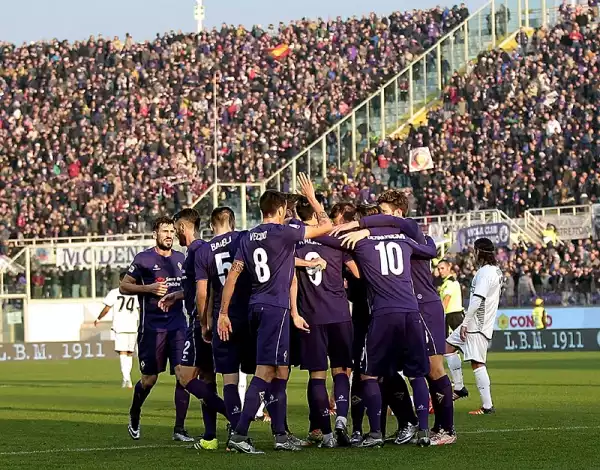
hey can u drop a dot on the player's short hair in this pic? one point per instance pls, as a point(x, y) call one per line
point(395, 198)
point(222, 216)
point(162, 220)
point(122, 274)
point(271, 201)
point(304, 210)
point(189, 215)
point(485, 251)
point(365, 210)
point(346, 209)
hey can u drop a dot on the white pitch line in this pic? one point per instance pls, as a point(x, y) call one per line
point(165, 446)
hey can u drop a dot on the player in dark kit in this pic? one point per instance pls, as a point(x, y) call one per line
point(396, 336)
point(394, 205)
point(196, 371)
point(267, 253)
point(154, 273)
point(213, 267)
point(323, 303)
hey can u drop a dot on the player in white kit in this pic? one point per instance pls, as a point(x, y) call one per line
point(475, 333)
point(125, 313)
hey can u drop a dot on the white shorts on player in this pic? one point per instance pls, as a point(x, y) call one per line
point(125, 342)
point(474, 348)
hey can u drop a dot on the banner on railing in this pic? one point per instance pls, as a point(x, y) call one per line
point(420, 159)
point(499, 233)
point(570, 226)
point(119, 256)
point(55, 351)
point(564, 318)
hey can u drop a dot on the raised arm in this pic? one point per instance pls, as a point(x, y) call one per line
point(324, 224)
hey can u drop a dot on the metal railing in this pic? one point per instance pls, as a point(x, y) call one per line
point(398, 101)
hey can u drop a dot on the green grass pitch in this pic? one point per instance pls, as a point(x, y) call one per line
point(74, 415)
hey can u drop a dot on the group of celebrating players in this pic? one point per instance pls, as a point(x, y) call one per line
point(351, 292)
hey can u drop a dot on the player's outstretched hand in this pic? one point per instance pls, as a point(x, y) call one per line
point(349, 240)
point(158, 288)
point(224, 327)
point(348, 226)
point(301, 324)
point(463, 333)
point(167, 302)
point(306, 186)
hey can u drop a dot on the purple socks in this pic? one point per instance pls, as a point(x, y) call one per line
point(139, 397)
point(372, 398)
point(233, 403)
point(320, 404)
point(256, 390)
point(182, 401)
point(421, 399)
point(341, 391)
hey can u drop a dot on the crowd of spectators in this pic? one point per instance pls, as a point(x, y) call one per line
point(99, 136)
point(521, 131)
point(567, 274)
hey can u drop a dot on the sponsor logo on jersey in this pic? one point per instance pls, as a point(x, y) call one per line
point(156, 268)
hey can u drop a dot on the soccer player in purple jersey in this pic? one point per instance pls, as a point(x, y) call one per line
point(213, 266)
point(267, 253)
point(396, 336)
point(394, 205)
point(161, 334)
point(323, 303)
point(196, 371)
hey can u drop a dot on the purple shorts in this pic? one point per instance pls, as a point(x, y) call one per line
point(271, 328)
point(333, 341)
point(396, 342)
point(196, 352)
point(155, 347)
point(432, 314)
point(235, 354)
point(360, 324)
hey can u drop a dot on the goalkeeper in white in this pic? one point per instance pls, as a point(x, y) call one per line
point(475, 333)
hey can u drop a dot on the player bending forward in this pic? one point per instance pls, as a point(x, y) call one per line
point(125, 311)
point(475, 332)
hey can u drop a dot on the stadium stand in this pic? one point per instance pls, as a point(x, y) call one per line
point(521, 131)
point(99, 136)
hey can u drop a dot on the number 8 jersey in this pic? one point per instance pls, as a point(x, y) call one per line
point(268, 253)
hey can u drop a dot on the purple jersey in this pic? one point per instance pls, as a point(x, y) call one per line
point(149, 267)
point(214, 264)
point(384, 262)
point(421, 269)
point(268, 253)
point(189, 280)
point(321, 295)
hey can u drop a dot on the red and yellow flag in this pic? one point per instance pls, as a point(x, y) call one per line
point(280, 52)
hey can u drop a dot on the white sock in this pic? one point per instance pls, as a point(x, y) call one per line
point(482, 379)
point(455, 366)
point(126, 365)
point(242, 387)
point(261, 410)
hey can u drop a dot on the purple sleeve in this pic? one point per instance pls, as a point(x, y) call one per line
point(295, 232)
point(331, 242)
point(408, 227)
point(200, 264)
point(134, 269)
point(427, 251)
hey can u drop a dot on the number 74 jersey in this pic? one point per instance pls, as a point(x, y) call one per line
point(125, 311)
